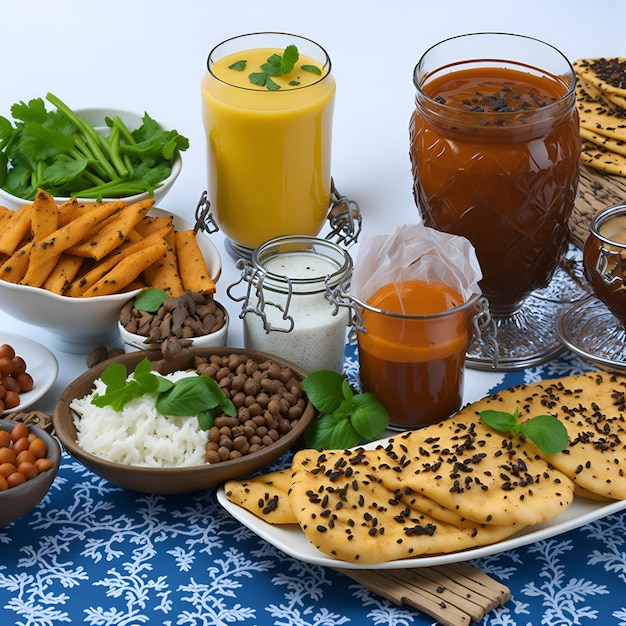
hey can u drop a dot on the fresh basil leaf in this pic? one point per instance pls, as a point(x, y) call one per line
point(324, 388)
point(189, 396)
point(150, 300)
point(206, 419)
point(547, 432)
point(227, 407)
point(164, 384)
point(143, 367)
point(114, 375)
point(148, 382)
point(346, 390)
point(344, 435)
point(499, 420)
point(369, 418)
point(318, 433)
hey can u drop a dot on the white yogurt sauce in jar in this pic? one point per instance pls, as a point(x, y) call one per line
point(286, 311)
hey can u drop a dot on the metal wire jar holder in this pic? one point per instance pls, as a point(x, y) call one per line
point(344, 221)
point(484, 327)
point(286, 308)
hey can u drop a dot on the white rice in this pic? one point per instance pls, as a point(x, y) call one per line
point(139, 434)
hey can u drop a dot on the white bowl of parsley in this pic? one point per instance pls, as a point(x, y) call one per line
point(94, 155)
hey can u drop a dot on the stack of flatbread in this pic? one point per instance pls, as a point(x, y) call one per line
point(453, 485)
point(601, 102)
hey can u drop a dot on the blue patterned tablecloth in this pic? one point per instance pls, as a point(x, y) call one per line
point(92, 553)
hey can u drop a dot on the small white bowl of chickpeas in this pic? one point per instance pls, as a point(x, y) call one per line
point(29, 462)
point(27, 371)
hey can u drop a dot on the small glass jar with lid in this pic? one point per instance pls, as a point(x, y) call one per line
point(286, 309)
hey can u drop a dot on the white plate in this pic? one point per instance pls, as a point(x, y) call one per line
point(292, 541)
point(41, 364)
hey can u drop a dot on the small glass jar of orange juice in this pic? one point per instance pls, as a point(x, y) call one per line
point(412, 339)
point(416, 305)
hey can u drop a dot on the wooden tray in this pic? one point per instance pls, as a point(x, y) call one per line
point(596, 191)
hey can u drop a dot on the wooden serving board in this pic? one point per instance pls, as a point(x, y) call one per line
point(455, 595)
point(596, 192)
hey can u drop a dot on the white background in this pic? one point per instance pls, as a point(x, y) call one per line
point(149, 55)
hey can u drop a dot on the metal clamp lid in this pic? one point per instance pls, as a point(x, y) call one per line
point(204, 220)
point(255, 277)
point(484, 327)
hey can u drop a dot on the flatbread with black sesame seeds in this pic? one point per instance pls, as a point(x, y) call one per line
point(617, 146)
point(602, 159)
point(265, 496)
point(601, 105)
point(606, 74)
point(459, 484)
point(592, 406)
point(481, 474)
point(346, 512)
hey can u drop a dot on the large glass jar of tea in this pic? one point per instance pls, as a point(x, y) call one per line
point(495, 156)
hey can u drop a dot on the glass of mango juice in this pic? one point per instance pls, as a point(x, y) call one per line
point(267, 107)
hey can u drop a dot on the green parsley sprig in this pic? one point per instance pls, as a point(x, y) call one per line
point(346, 418)
point(192, 395)
point(276, 65)
point(546, 431)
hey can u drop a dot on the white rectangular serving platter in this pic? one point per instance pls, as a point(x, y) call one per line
point(292, 541)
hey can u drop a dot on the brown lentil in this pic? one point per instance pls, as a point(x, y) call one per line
point(268, 398)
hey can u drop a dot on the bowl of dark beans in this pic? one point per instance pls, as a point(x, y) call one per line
point(189, 319)
point(262, 413)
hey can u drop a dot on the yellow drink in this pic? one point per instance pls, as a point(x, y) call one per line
point(268, 151)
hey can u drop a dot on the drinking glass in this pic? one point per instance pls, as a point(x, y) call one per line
point(495, 149)
point(268, 141)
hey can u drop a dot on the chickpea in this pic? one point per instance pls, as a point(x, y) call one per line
point(19, 365)
point(6, 469)
point(25, 381)
point(13, 377)
point(22, 456)
point(27, 470)
point(15, 479)
point(38, 448)
point(6, 351)
point(6, 366)
point(19, 431)
point(25, 455)
point(43, 465)
point(20, 445)
point(11, 400)
point(7, 455)
point(5, 438)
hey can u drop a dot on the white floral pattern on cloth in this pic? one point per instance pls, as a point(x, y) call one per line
point(95, 554)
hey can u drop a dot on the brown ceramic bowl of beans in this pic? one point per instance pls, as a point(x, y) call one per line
point(272, 414)
point(25, 480)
